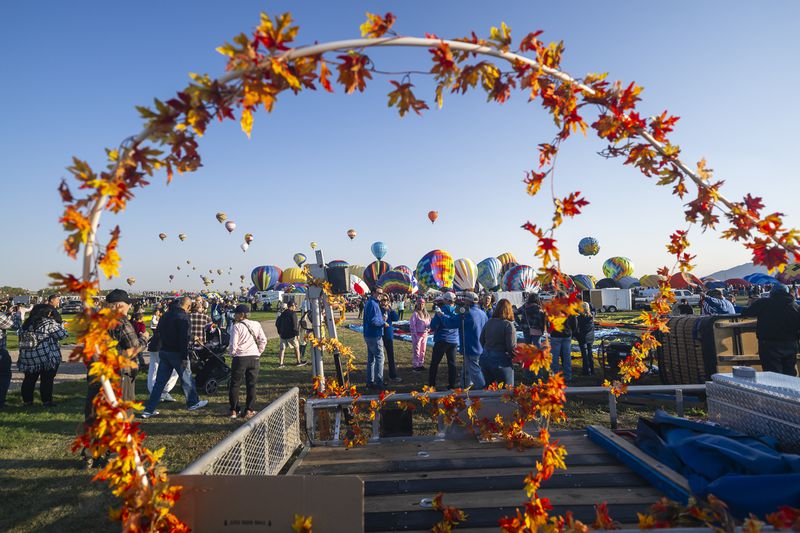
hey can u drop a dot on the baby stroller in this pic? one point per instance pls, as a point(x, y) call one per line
point(208, 361)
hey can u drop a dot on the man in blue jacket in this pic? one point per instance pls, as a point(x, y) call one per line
point(388, 337)
point(471, 324)
point(445, 340)
point(374, 322)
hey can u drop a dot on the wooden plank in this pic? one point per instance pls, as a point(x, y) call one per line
point(669, 482)
point(643, 496)
point(425, 465)
point(443, 474)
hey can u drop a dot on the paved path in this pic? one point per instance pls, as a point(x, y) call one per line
point(76, 371)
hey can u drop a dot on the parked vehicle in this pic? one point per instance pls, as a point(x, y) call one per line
point(611, 300)
point(646, 296)
point(72, 307)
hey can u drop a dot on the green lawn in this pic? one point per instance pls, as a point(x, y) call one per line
point(43, 488)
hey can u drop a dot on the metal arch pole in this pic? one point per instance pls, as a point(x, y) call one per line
point(314, 296)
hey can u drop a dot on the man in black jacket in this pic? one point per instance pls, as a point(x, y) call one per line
point(174, 334)
point(778, 330)
point(288, 326)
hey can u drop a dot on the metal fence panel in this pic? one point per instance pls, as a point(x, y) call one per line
point(262, 446)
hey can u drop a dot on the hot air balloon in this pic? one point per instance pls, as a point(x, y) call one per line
point(219, 271)
point(432, 216)
point(374, 271)
point(650, 280)
point(588, 246)
point(194, 268)
point(791, 274)
point(244, 246)
point(230, 226)
point(617, 267)
point(182, 237)
point(162, 236)
point(285, 287)
point(242, 278)
point(171, 277)
point(299, 259)
point(489, 273)
point(188, 261)
point(313, 245)
point(404, 268)
point(221, 217)
point(248, 238)
point(436, 271)
point(293, 275)
point(379, 250)
point(395, 282)
point(466, 274)
point(352, 234)
point(358, 285)
point(131, 281)
point(210, 271)
point(178, 267)
point(507, 260)
point(628, 282)
point(607, 283)
point(357, 270)
point(520, 278)
point(338, 263)
point(265, 277)
point(583, 282)
point(685, 280)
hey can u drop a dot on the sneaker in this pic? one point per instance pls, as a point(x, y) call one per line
point(198, 405)
point(302, 363)
point(233, 415)
point(250, 414)
point(147, 415)
point(167, 397)
point(416, 369)
point(396, 379)
point(281, 365)
point(49, 404)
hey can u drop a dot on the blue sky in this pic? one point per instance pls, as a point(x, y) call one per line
point(321, 164)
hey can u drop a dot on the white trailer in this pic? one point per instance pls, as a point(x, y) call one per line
point(611, 300)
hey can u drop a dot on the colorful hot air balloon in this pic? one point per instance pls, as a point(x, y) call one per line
point(628, 282)
point(244, 246)
point(357, 270)
point(285, 287)
point(162, 236)
point(248, 238)
point(265, 277)
point(338, 263)
point(352, 234)
point(520, 278)
point(583, 282)
point(313, 245)
point(432, 216)
point(131, 281)
point(404, 268)
point(379, 250)
point(221, 217)
point(293, 275)
point(650, 280)
point(507, 260)
point(436, 271)
point(182, 237)
point(299, 259)
point(230, 226)
point(791, 274)
point(489, 273)
point(607, 283)
point(685, 280)
point(374, 271)
point(395, 282)
point(466, 274)
point(358, 285)
point(588, 246)
point(617, 268)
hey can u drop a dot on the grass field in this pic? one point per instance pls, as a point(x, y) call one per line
point(42, 486)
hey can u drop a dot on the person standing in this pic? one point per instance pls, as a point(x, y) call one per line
point(419, 324)
point(777, 330)
point(683, 308)
point(288, 326)
point(472, 321)
point(54, 301)
point(391, 316)
point(532, 319)
point(174, 333)
point(247, 343)
point(6, 322)
point(40, 353)
point(198, 319)
point(561, 345)
point(445, 341)
point(373, 324)
point(153, 347)
point(401, 307)
point(499, 337)
point(585, 337)
point(714, 303)
point(361, 307)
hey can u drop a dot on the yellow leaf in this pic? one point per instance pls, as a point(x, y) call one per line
point(247, 121)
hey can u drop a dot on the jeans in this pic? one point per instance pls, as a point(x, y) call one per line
point(587, 358)
point(167, 362)
point(497, 367)
point(778, 356)
point(472, 373)
point(562, 359)
point(5, 374)
point(45, 386)
point(388, 349)
point(441, 348)
point(153, 370)
point(247, 367)
point(374, 361)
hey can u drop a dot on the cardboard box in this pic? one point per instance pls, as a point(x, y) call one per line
point(247, 504)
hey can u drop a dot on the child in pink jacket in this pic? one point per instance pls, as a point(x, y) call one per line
point(419, 323)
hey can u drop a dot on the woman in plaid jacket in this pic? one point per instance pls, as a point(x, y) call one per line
point(44, 357)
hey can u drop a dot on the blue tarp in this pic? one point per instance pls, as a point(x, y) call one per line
point(747, 473)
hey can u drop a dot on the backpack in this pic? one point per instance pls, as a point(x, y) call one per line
point(28, 340)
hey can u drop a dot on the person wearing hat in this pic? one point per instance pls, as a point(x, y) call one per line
point(374, 322)
point(445, 340)
point(174, 332)
point(777, 330)
point(246, 346)
point(471, 324)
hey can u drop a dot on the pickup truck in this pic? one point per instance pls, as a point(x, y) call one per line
point(680, 294)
